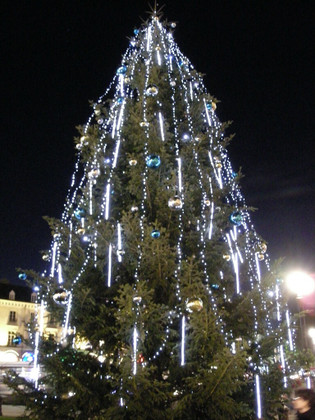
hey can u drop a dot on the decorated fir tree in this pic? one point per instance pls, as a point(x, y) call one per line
point(168, 306)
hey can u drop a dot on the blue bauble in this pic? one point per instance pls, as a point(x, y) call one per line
point(120, 100)
point(136, 31)
point(121, 70)
point(22, 276)
point(209, 106)
point(153, 161)
point(79, 213)
point(155, 234)
point(17, 340)
point(236, 218)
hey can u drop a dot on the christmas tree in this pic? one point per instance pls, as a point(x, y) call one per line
point(168, 306)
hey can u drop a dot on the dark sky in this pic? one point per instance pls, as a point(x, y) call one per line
point(258, 59)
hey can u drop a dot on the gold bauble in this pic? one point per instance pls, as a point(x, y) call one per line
point(263, 247)
point(214, 106)
point(218, 164)
point(133, 162)
point(144, 124)
point(227, 257)
point(261, 257)
point(194, 304)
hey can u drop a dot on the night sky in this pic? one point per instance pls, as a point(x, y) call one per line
point(258, 58)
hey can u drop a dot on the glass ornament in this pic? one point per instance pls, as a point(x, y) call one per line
point(173, 83)
point(17, 340)
point(22, 276)
point(144, 124)
point(194, 304)
point(263, 247)
point(236, 218)
point(207, 202)
point(28, 357)
point(81, 231)
point(152, 90)
point(94, 173)
point(173, 25)
point(175, 203)
point(35, 288)
point(137, 299)
point(61, 296)
point(155, 234)
point(121, 70)
point(215, 286)
point(127, 79)
point(153, 161)
point(133, 162)
point(120, 100)
point(79, 213)
point(134, 209)
point(218, 164)
point(140, 358)
point(157, 48)
point(46, 257)
point(136, 31)
point(260, 257)
point(227, 257)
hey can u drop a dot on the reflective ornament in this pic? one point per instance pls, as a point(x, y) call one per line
point(61, 296)
point(120, 100)
point(137, 299)
point(36, 288)
point(127, 79)
point(173, 83)
point(165, 374)
point(81, 231)
point(153, 161)
point(234, 174)
point(173, 25)
point(261, 257)
point(97, 111)
point(186, 137)
point(214, 106)
point(100, 120)
point(120, 252)
point(134, 209)
point(94, 173)
point(263, 247)
point(207, 202)
point(157, 48)
point(133, 162)
point(227, 257)
point(194, 304)
point(175, 203)
point(218, 164)
point(236, 218)
point(144, 124)
point(46, 257)
point(152, 90)
point(121, 70)
point(155, 234)
point(136, 31)
point(17, 340)
point(22, 276)
point(215, 286)
point(79, 213)
point(197, 139)
point(28, 357)
point(84, 140)
point(140, 358)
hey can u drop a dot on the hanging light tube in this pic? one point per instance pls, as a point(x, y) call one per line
point(179, 174)
point(60, 279)
point(258, 397)
point(52, 271)
point(161, 126)
point(109, 272)
point(116, 154)
point(182, 363)
point(135, 343)
point(211, 220)
point(119, 244)
point(66, 327)
point(289, 329)
point(107, 201)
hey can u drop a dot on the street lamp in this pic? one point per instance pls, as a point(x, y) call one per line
point(300, 283)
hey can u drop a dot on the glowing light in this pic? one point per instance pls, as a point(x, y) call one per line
point(66, 326)
point(258, 397)
point(91, 197)
point(135, 345)
point(300, 283)
point(161, 126)
point(179, 174)
point(119, 244)
point(257, 266)
point(60, 279)
point(109, 271)
point(211, 220)
point(107, 201)
point(182, 352)
point(116, 154)
point(289, 330)
point(53, 260)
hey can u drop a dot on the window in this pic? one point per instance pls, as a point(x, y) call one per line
point(12, 317)
point(11, 335)
point(32, 316)
point(33, 297)
point(12, 295)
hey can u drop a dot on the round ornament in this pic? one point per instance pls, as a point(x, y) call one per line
point(261, 257)
point(100, 120)
point(137, 299)
point(152, 90)
point(155, 234)
point(218, 164)
point(136, 31)
point(61, 296)
point(173, 25)
point(263, 247)
point(175, 203)
point(134, 209)
point(94, 173)
point(133, 162)
point(144, 124)
point(207, 202)
point(121, 70)
point(140, 358)
point(194, 304)
point(236, 218)
point(81, 231)
point(172, 83)
point(79, 213)
point(17, 340)
point(127, 79)
point(22, 276)
point(46, 257)
point(153, 161)
point(157, 48)
point(227, 257)
point(120, 100)
point(97, 111)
